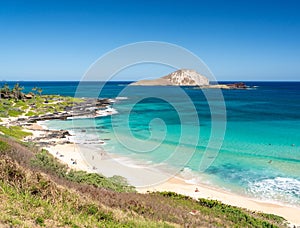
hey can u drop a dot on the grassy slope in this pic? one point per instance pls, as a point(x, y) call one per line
point(32, 198)
point(35, 190)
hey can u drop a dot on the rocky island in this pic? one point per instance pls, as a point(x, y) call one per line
point(182, 77)
point(187, 77)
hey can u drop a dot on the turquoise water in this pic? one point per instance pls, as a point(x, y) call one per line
point(260, 153)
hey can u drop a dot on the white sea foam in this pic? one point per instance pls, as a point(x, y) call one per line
point(99, 113)
point(286, 190)
point(121, 98)
point(190, 176)
point(43, 124)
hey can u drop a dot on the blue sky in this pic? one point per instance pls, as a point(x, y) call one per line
point(238, 40)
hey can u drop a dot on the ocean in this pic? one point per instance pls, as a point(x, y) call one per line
point(259, 154)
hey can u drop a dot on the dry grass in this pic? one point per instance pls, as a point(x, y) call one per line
point(31, 198)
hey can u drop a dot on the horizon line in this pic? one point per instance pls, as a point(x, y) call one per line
point(138, 80)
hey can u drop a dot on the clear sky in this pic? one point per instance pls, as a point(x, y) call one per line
point(238, 40)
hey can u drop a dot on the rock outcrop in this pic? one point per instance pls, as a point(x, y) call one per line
point(238, 85)
point(183, 77)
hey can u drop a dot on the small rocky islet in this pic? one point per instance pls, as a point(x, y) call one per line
point(188, 77)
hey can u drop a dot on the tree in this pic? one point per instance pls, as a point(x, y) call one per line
point(5, 89)
point(39, 90)
point(17, 91)
point(34, 89)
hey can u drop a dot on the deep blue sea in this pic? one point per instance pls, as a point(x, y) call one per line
point(260, 151)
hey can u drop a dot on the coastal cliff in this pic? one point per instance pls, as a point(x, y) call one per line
point(182, 77)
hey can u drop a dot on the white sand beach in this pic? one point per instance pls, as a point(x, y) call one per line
point(94, 159)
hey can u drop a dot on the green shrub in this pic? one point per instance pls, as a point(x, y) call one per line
point(209, 203)
point(102, 216)
point(92, 209)
point(30, 113)
point(14, 112)
point(39, 221)
point(49, 163)
point(115, 183)
point(226, 213)
point(175, 195)
point(4, 147)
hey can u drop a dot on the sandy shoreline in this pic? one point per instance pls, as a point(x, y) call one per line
point(180, 186)
point(95, 159)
